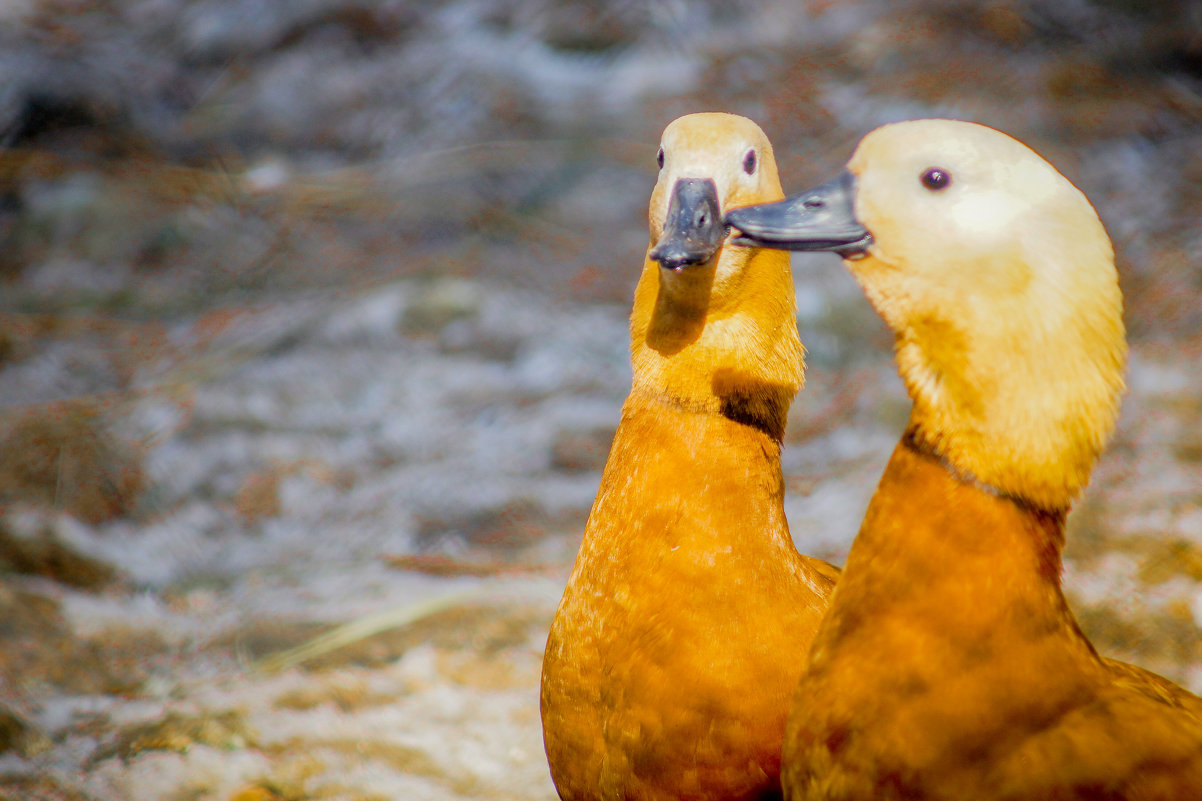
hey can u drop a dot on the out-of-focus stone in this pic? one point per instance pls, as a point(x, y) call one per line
point(515, 525)
point(39, 649)
point(19, 735)
point(439, 303)
point(1164, 560)
point(581, 451)
point(259, 496)
point(177, 732)
point(42, 787)
point(44, 554)
point(64, 456)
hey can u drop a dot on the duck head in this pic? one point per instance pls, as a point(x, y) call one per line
point(714, 324)
point(998, 281)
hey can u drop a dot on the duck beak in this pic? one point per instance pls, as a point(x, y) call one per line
point(820, 219)
point(693, 230)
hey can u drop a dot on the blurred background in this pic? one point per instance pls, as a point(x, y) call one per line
point(314, 312)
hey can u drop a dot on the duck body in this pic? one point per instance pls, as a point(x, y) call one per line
point(668, 667)
point(990, 691)
point(670, 663)
point(998, 281)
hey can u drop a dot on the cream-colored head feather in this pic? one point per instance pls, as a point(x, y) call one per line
point(998, 280)
point(725, 329)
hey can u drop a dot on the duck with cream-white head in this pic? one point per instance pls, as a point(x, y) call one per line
point(998, 281)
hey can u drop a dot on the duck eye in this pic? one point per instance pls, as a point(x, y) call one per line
point(749, 162)
point(936, 179)
point(659, 158)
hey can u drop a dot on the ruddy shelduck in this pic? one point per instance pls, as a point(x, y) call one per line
point(949, 665)
point(673, 655)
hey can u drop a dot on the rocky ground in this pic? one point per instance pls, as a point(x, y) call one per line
point(312, 341)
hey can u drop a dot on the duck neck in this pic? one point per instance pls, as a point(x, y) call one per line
point(943, 552)
point(948, 621)
point(1017, 384)
point(719, 339)
point(675, 474)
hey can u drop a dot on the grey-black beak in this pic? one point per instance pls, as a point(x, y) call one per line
point(820, 219)
point(693, 230)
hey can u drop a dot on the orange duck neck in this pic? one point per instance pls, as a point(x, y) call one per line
point(717, 362)
point(959, 585)
point(719, 340)
point(931, 529)
point(674, 476)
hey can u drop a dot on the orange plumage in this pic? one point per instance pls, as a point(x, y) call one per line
point(949, 665)
point(672, 658)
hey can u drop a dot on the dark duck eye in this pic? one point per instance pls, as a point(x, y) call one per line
point(749, 162)
point(659, 158)
point(936, 179)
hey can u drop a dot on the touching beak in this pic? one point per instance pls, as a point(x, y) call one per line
point(693, 230)
point(820, 219)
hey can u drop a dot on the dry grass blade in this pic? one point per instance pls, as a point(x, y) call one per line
point(370, 625)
